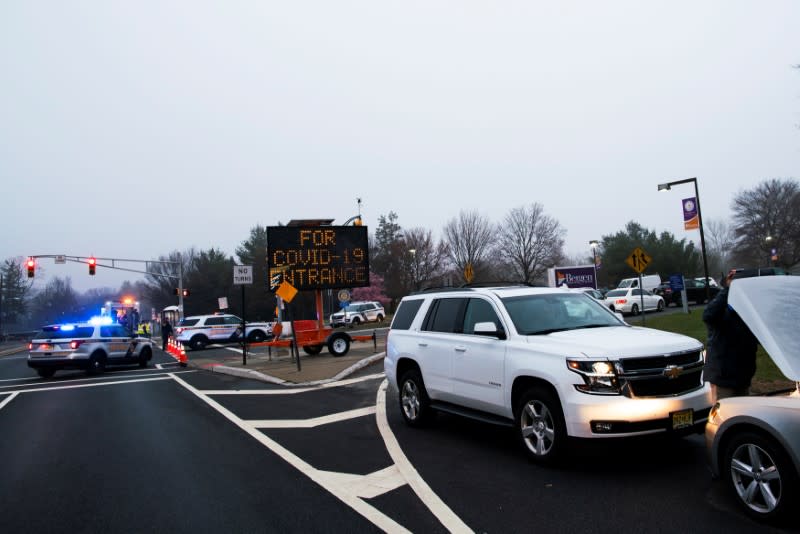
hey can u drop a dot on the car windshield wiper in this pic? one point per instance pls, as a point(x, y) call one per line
point(550, 331)
point(597, 325)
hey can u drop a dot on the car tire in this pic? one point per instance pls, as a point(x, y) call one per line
point(355, 322)
point(312, 350)
point(379, 319)
point(635, 309)
point(256, 336)
point(339, 344)
point(46, 373)
point(97, 363)
point(748, 457)
point(660, 306)
point(144, 357)
point(540, 425)
point(415, 405)
point(198, 342)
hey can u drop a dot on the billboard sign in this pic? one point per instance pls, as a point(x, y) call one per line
point(319, 257)
point(576, 276)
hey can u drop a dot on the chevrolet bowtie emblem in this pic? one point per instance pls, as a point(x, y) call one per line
point(673, 371)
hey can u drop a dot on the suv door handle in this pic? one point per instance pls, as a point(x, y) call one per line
point(422, 344)
point(461, 348)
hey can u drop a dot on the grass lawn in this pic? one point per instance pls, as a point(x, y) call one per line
point(768, 376)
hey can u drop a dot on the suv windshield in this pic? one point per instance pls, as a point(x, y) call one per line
point(544, 314)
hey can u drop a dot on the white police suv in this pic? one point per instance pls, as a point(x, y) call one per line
point(356, 313)
point(198, 331)
point(88, 346)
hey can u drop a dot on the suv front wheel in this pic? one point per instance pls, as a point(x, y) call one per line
point(540, 424)
point(414, 402)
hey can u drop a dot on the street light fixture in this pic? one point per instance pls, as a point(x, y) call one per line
point(667, 187)
point(594, 244)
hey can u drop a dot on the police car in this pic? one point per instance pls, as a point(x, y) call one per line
point(89, 346)
point(356, 313)
point(198, 331)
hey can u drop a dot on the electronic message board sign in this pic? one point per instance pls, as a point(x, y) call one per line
point(319, 257)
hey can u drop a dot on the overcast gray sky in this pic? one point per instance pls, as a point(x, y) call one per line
point(131, 129)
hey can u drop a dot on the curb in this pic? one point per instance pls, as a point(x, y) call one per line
point(256, 375)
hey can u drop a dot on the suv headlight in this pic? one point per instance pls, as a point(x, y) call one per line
point(599, 376)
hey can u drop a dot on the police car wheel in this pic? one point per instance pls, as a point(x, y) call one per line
point(198, 342)
point(256, 336)
point(46, 373)
point(144, 357)
point(97, 363)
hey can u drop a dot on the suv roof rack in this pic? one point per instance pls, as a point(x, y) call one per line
point(439, 288)
point(499, 283)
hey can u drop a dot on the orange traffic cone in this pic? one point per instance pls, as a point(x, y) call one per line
point(182, 359)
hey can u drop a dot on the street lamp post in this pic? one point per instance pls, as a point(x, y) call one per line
point(667, 187)
point(593, 243)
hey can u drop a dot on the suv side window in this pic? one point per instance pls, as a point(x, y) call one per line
point(232, 319)
point(213, 321)
point(479, 311)
point(113, 331)
point(405, 314)
point(446, 315)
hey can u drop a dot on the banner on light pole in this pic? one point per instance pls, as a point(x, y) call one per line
point(691, 219)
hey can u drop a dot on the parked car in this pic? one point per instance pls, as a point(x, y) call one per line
point(356, 313)
point(665, 292)
point(594, 293)
point(198, 331)
point(548, 362)
point(630, 300)
point(696, 292)
point(753, 443)
point(649, 282)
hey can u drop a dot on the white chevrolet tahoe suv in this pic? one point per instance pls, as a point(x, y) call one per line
point(551, 362)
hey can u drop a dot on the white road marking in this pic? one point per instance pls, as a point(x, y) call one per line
point(106, 377)
point(347, 492)
point(109, 383)
point(8, 399)
point(20, 379)
point(311, 423)
point(290, 391)
point(438, 508)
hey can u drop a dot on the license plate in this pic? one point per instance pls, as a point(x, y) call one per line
point(682, 419)
point(45, 346)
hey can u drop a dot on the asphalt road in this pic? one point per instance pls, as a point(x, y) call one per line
point(181, 450)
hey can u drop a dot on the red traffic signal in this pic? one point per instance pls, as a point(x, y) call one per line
point(92, 265)
point(31, 267)
point(185, 292)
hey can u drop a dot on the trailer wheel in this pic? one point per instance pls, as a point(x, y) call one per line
point(312, 349)
point(339, 344)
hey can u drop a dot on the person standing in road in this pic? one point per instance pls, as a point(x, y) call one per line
point(731, 347)
point(166, 332)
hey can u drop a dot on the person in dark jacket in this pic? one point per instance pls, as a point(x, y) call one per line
point(731, 347)
point(166, 332)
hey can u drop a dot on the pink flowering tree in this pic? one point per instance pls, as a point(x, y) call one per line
point(375, 290)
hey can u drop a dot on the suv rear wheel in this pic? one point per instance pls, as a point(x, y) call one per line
point(414, 402)
point(97, 363)
point(198, 342)
point(540, 424)
point(144, 357)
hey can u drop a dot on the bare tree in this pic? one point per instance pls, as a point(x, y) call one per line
point(469, 238)
point(530, 242)
point(720, 240)
point(427, 260)
point(765, 218)
point(162, 280)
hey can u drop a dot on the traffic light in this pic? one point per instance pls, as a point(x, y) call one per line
point(186, 292)
point(31, 267)
point(92, 265)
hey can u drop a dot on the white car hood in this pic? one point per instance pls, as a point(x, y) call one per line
point(617, 342)
point(770, 306)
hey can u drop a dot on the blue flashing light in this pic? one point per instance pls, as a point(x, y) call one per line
point(100, 320)
point(67, 327)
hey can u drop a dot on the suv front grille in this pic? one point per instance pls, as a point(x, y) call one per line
point(661, 376)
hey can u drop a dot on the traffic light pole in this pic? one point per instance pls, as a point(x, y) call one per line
point(62, 258)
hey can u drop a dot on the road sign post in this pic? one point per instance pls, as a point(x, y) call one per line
point(638, 261)
point(242, 276)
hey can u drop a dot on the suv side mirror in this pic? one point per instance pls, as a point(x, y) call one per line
point(488, 329)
